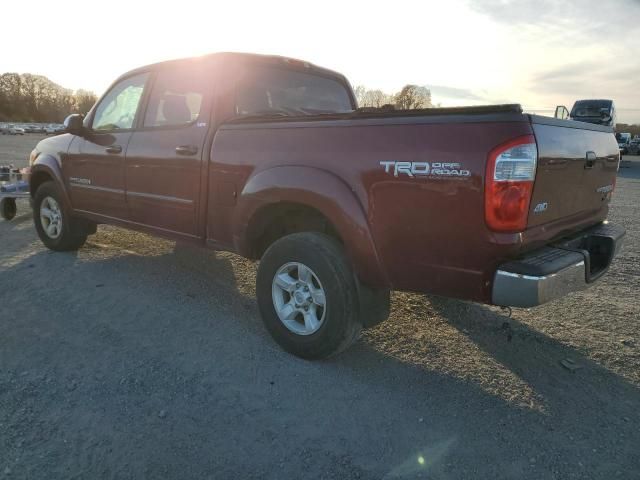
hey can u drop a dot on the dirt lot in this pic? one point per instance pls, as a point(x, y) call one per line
point(137, 358)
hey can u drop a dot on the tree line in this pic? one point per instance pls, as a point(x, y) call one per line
point(632, 129)
point(35, 98)
point(409, 97)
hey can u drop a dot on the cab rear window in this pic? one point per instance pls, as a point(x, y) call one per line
point(271, 90)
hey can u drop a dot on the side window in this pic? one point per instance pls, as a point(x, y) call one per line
point(118, 108)
point(176, 98)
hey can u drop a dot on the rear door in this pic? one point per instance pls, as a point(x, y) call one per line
point(165, 155)
point(94, 168)
point(577, 168)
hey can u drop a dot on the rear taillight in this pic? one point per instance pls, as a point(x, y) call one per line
point(511, 170)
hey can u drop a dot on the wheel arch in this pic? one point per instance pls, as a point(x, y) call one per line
point(44, 169)
point(327, 197)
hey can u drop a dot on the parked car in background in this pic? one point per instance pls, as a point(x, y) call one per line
point(600, 112)
point(13, 130)
point(634, 147)
point(624, 139)
point(33, 128)
point(53, 129)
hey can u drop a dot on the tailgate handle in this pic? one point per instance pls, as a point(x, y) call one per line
point(591, 160)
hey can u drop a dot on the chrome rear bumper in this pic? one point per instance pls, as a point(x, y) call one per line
point(567, 266)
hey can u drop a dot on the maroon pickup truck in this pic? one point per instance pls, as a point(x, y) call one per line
point(270, 157)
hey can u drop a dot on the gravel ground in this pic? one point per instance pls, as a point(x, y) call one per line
point(138, 358)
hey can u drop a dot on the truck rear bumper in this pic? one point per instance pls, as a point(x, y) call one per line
point(566, 266)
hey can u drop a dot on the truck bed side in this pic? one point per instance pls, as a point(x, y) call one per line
point(428, 230)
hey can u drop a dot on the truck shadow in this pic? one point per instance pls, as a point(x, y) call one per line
point(563, 378)
point(138, 326)
point(23, 216)
point(505, 358)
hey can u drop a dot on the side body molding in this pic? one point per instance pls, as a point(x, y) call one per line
point(323, 191)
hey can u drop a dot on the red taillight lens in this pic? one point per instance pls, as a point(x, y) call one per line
point(511, 171)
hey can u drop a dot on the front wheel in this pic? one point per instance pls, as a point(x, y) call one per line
point(307, 295)
point(57, 229)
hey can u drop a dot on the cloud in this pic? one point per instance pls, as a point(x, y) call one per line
point(579, 23)
point(579, 48)
point(590, 80)
point(605, 16)
point(579, 77)
point(456, 93)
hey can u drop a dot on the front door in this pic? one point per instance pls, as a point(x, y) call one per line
point(94, 169)
point(164, 156)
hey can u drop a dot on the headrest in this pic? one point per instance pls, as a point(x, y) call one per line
point(175, 109)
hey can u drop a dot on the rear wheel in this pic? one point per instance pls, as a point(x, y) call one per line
point(307, 295)
point(57, 229)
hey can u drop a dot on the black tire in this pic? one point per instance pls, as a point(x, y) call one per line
point(73, 233)
point(326, 258)
point(8, 208)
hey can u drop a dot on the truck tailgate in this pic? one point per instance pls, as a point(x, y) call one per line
point(576, 173)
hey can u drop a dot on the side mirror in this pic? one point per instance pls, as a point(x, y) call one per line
point(561, 112)
point(73, 124)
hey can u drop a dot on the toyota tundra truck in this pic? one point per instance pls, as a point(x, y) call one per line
point(270, 158)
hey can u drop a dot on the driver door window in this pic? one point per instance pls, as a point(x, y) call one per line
point(117, 110)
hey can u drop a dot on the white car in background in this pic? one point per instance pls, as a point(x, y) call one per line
point(13, 130)
point(53, 129)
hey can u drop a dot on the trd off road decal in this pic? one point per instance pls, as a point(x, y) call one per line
point(425, 169)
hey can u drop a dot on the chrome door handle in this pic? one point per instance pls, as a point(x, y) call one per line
point(186, 150)
point(114, 149)
point(591, 160)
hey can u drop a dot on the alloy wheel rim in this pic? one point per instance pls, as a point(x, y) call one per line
point(299, 298)
point(51, 217)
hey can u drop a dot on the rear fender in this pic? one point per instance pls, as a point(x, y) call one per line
point(322, 191)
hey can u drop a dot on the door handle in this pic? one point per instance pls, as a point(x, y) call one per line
point(186, 150)
point(591, 160)
point(114, 149)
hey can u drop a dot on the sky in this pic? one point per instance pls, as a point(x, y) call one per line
point(539, 53)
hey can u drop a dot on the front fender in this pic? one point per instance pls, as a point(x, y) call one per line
point(317, 189)
point(50, 166)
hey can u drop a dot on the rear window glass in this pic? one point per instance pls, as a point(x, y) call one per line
point(278, 90)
